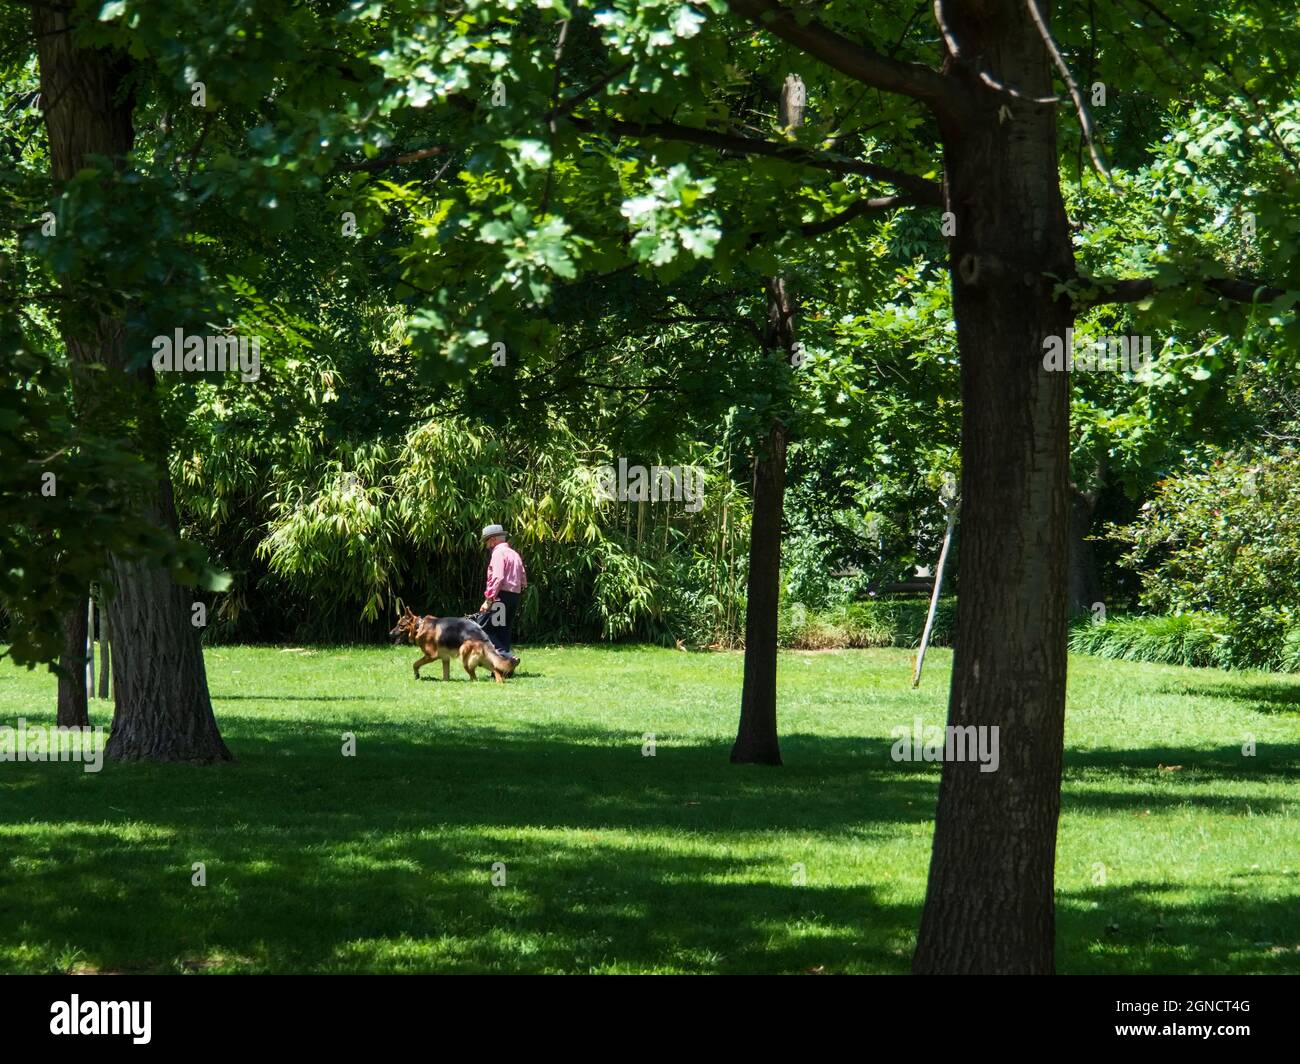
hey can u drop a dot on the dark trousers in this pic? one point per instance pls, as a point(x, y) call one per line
point(500, 623)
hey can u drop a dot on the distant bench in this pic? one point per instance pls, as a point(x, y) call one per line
point(922, 583)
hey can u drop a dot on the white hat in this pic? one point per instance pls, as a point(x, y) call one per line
point(494, 530)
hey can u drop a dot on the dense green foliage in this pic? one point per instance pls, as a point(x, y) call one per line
point(1225, 538)
point(390, 193)
point(66, 499)
point(349, 531)
point(884, 622)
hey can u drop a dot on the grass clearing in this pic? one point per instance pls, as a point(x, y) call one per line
point(1176, 852)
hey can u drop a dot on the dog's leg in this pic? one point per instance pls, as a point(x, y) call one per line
point(446, 669)
point(472, 677)
point(496, 675)
point(423, 661)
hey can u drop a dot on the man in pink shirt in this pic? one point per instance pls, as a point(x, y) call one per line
point(506, 580)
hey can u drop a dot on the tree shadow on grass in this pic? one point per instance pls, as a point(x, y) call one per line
point(449, 770)
point(427, 902)
point(612, 860)
point(385, 861)
point(1145, 928)
point(1169, 776)
point(1261, 697)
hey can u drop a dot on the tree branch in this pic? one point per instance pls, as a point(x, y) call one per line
point(375, 165)
point(859, 61)
point(1133, 290)
point(855, 210)
point(550, 124)
point(1260, 115)
point(560, 110)
point(208, 119)
point(1085, 118)
point(927, 192)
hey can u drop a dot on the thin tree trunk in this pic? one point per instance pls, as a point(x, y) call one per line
point(989, 901)
point(1085, 579)
point(90, 646)
point(105, 651)
point(72, 708)
point(756, 739)
point(163, 710)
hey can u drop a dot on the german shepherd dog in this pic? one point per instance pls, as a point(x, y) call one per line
point(444, 638)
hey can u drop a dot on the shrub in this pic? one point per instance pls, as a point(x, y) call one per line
point(1199, 640)
point(806, 563)
point(1289, 659)
point(1225, 540)
point(870, 623)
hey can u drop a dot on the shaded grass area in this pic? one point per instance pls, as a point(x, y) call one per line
point(1177, 853)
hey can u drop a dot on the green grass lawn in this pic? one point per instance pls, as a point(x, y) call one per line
point(616, 862)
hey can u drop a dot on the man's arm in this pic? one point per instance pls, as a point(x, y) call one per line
point(496, 571)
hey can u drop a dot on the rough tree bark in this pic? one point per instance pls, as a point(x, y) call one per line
point(163, 710)
point(989, 902)
point(72, 710)
point(757, 741)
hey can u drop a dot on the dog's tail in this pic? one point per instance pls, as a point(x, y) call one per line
point(498, 661)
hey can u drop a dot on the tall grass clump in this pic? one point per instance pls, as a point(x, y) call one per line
point(1195, 639)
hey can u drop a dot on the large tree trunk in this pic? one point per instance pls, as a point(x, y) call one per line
point(989, 901)
point(756, 739)
point(72, 710)
point(163, 710)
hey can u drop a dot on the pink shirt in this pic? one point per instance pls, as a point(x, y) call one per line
point(505, 571)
